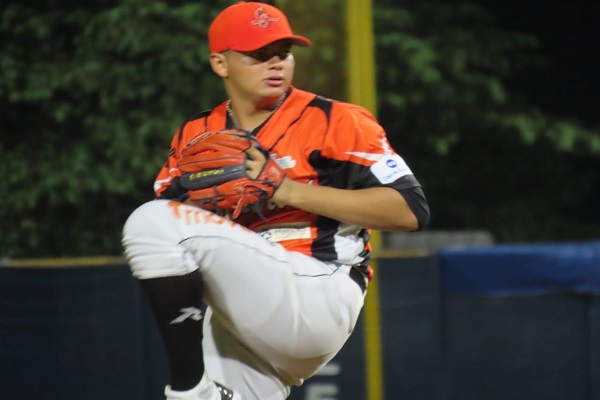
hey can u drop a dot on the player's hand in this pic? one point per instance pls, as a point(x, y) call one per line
point(255, 162)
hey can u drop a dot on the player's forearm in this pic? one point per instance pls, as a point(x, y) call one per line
point(375, 208)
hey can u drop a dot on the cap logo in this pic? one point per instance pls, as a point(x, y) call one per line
point(262, 19)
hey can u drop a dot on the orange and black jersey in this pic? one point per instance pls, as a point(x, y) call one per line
point(318, 142)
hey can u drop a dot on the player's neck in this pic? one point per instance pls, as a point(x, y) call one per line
point(248, 115)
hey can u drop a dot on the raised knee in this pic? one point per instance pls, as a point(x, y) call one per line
point(144, 218)
point(151, 243)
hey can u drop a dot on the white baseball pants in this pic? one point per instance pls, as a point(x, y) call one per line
point(275, 317)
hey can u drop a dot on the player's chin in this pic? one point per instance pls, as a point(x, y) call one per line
point(269, 91)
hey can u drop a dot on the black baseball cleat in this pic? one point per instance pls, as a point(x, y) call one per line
point(227, 394)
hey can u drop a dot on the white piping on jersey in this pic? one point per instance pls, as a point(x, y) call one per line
point(348, 245)
point(387, 150)
point(159, 183)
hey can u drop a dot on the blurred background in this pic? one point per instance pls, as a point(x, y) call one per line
point(492, 104)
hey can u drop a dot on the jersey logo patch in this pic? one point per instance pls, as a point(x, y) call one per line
point(389, 168)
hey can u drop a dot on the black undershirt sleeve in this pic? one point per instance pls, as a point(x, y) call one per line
point(415, 197)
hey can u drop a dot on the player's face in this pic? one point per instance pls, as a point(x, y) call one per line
point(265, 73)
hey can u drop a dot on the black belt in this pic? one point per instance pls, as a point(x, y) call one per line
point(359, 278)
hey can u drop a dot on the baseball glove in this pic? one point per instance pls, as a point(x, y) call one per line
point(213, 167)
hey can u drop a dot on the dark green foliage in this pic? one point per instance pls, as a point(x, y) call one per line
point(487, 158)
point(91, 92)
point(320, 68)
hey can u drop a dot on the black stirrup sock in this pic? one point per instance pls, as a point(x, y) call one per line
point(176, 302)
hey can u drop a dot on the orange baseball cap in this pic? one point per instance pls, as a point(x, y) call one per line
point(247, 26)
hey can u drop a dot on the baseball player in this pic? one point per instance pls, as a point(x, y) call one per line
point(283, 278)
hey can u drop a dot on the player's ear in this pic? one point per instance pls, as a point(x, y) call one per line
point(218, 63)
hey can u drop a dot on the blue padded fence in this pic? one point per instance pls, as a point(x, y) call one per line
point(504, 322)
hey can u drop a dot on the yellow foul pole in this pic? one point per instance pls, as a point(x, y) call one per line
point(360, 54)
point(362, 91)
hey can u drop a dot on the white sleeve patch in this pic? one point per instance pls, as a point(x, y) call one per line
point(389, 168)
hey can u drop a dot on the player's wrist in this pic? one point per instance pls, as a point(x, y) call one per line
point(283, 194)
